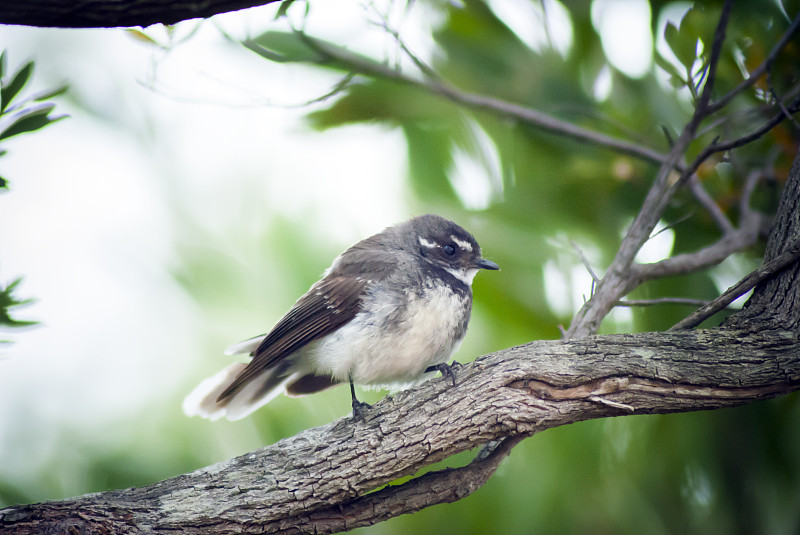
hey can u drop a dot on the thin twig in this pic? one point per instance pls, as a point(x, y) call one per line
point(758, 71)
point(661, 301)
point(749, 282)
point(708, 256)
point(517, 112)
point(708, 202)
point(776, 98)
point(584, 260)
point(739, 142)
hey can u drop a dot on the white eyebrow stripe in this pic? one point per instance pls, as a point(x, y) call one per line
point(426, 243)
point(467, 246)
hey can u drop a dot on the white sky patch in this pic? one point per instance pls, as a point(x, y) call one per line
point(729, 272)
point(537, 24)
point(658, 247)
point(624, 28)
point(476, 173)
point(567, 286)
point(602, 84)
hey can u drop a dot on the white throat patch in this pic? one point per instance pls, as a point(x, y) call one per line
point(464, 275)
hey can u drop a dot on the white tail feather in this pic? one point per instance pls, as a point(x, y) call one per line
point(246, 346)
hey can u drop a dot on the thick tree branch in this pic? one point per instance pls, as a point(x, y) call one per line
point(114, 13)
point(323, 479)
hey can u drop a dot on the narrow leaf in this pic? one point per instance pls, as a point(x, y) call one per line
point(30, 120)
point(18, 81)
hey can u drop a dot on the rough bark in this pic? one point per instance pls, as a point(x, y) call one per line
point(318, 480)
point(778, 299)
point(113, 13)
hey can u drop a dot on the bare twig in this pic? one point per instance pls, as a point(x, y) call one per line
point(584, 260)
point(759, 71)
point(709, 204)
point(768, 270)
point(517, 112)
point(711, 255)
point(661, 301)
point(750, 183)
point(739, 142)
point(777, 99)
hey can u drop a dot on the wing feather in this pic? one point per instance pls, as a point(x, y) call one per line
point(328, 305)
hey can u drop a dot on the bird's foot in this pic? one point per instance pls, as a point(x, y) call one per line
point(359, 409)
point(447, 370)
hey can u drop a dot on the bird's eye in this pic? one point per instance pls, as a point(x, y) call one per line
point(449, 250)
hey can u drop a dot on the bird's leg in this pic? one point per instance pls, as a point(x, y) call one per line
point(358, 406)
point(447, 370)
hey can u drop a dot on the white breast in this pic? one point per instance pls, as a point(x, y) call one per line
point(388, 345)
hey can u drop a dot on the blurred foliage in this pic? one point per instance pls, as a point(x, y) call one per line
point(17, 116)
point(730, 471)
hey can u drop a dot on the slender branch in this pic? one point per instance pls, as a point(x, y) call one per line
point(759, 71)
point(661, 301)
point(706, 257)
point(538, 119)
point(585, 261)
point(739, 142)
point(768, 270)
point(709, 204)
point(441, 486)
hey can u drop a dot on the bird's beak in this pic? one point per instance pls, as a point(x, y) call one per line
point(486, 264)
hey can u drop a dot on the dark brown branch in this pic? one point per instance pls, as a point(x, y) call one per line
point(331, 477)
point(738, 142)
point(523, 114)
point(661, 301)
point(114, 13)
point(768, 270)
point(759, 71)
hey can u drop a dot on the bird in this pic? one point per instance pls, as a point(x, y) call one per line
point(388, 313)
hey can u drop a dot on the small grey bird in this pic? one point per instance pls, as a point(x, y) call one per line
point(390, 310)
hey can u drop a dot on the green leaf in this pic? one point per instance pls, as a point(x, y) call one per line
point(682, 41)
point(675, 75)
point(283, 9)
point(18, 81)
point(30, 120)
point(3, 61)
point(3, 183)
point(7, 301)
point(50, 93)
point(283, 47)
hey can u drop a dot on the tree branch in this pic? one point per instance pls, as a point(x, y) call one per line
point(323, 479)
point(759, 71)
point(114, 13)
point(525, 115)
point(768, 270)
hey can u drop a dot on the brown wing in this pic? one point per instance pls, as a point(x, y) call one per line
point(328, 305)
